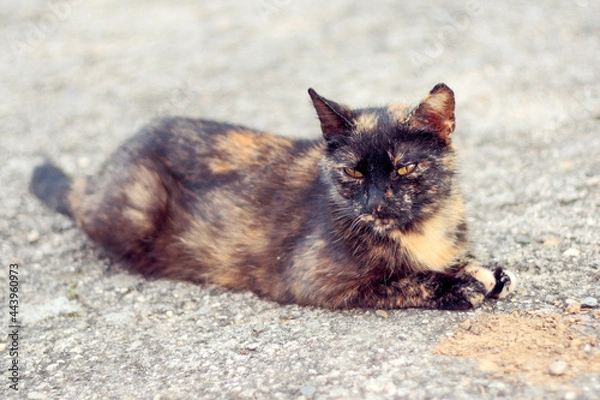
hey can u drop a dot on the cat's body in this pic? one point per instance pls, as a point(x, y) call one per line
point(372, 216)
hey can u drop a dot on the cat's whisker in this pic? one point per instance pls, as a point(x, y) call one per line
point(355, 224)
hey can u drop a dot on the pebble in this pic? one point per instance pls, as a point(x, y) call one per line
point(123, 282)
point(381, 313)
point(466, 325)
point(251, 346)
point(33, 236)
point(51, 367)
point(569, 198)
point(572, 252)
point(589, 302)
point(308, 390)
point(522, 239)
point(570, 396)
point(557, 368)
point(573, 308)
point(552, 241)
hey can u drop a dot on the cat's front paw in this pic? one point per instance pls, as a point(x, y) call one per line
point(506, 283)
point(464, 293)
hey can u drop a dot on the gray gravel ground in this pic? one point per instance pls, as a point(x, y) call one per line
point(79, 77)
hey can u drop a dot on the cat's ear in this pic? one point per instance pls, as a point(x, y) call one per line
point(436, 113)
point(336, 119)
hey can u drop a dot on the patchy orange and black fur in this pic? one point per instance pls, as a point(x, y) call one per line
point(369, 216)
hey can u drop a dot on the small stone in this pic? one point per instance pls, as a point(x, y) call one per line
point(570, 396)
point(476, 330)
point(552, 241)
point(382, 313)
point(308, 390)
point(572, 252)
point(589, 302)
point(498, 386)
point(51, 367)
point(522, 239)
point(569, 198)
point(557, 368)
point(573, 308)
point(466, 325)
point(124, 282)
point(251, 346)
point(33, 236)
point(2, 347)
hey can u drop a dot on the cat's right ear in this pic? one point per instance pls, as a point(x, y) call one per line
point(436, 113)
point(336, 119)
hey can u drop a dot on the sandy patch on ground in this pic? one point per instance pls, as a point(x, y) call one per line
point(537, 347)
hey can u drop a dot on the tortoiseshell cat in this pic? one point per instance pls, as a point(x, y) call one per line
point(370, 216)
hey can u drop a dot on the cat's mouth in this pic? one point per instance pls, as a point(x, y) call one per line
point(381, 223)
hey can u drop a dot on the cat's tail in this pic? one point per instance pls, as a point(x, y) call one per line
point(51, 185)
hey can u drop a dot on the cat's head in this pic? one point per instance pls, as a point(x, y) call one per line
point(388, 168)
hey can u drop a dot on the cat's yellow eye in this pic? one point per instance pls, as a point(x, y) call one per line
point(352, 173)
point(407, 169)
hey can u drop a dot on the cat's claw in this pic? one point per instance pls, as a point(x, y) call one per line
point(506, 283)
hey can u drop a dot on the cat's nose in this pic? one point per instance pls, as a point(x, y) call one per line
point(375, 200)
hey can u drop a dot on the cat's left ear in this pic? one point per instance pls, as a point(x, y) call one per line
point(436, 113)
point(335, 118)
